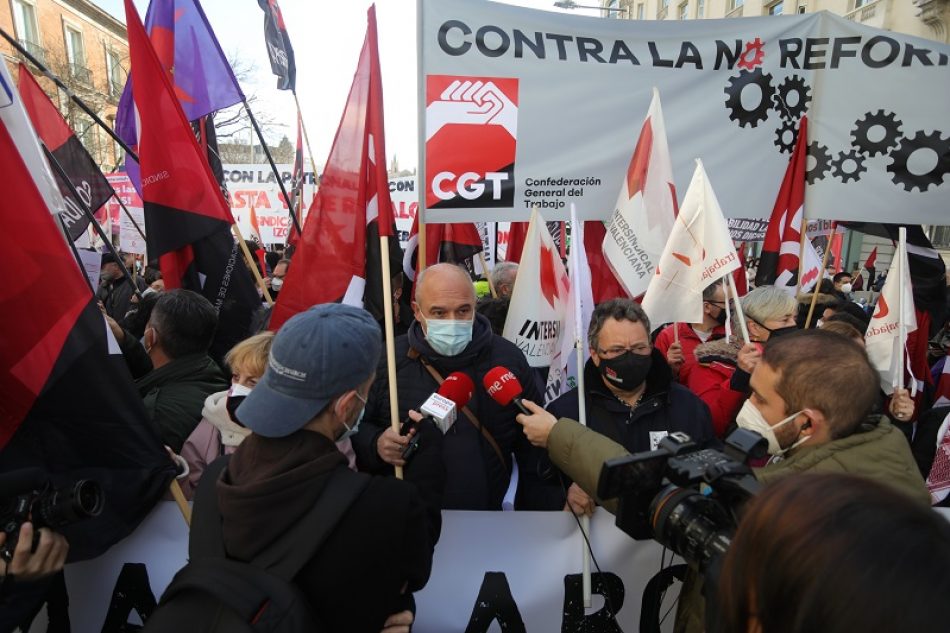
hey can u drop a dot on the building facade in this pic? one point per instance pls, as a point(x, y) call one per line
point(85, 47)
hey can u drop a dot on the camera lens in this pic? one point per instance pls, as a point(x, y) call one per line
point(691, 524)
point(58, 508)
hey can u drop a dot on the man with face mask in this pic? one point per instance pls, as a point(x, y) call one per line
point(449, 336)
point(680, 355)
point(842, 282)
point(313, 394)
point(630, 394)
point(115, 291)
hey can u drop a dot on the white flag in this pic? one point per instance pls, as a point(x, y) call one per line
point(646, 207)
point(562, 376)
point(14, 118)
point(539, 300)
point(883, 340)
point(699, 251)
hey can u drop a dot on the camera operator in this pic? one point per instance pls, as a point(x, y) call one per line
point(25, 575)
point(813, 413)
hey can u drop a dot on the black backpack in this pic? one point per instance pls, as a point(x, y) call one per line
point(215, 593)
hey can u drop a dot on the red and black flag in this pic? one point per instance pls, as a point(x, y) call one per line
point(338, 257)
point(187, 219)
point(517, 233)
point(279, 50)
point(59, 139)
point(296, 184)
point(69, 406)
point(458, 243)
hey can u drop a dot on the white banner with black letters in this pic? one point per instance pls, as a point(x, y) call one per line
point(520, 570)
point(526, 107)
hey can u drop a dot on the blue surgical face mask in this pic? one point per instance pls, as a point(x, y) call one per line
point(449, 337)
point(353, 430)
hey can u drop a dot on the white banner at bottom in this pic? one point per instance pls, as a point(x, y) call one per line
point(493, 571)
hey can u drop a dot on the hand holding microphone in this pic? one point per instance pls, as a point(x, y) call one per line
point(441, 408)
point(504, 388)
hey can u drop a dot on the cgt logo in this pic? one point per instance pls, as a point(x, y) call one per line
point(471, 138)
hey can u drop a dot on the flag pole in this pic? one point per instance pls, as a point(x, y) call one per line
point(390, 339)
point(175, 488)
point(421, 122)
point(273, 166)
point(72, 247)
point(581, 399)
point(306, 139)
point(58, 169)
point(69, 93)
point(491, 286)
point(739, 314)
point(901, 288)
point(128, 214)
point(821, 274)
point(252, 264)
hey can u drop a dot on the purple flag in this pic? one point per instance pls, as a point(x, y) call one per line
point(203, 79)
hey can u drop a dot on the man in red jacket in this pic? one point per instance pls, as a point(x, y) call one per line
point(679, 355)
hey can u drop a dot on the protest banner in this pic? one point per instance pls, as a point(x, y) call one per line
point(875, 98)
point(254, 185)
point(130, 241)
point(531, 575)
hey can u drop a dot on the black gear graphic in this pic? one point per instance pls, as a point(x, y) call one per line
point(839, 171)
point(892, 133)
point(740, 113)
point(792, 83)
point(902, 175)
point(822, 162)
point(780, 133)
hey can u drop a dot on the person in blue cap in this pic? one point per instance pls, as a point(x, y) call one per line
point(312, 394)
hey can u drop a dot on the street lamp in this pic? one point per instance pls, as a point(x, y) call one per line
point(570, 4)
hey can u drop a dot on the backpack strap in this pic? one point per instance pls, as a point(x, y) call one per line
point(287, 556)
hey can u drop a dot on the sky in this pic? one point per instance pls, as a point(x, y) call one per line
point(327, 36)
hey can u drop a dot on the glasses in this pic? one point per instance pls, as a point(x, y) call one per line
point(613, 352)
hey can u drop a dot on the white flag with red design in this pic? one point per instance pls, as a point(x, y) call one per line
point(699, 252)
point(882, 340)
point(255, 227)
point(540, 300)
point(646, 207)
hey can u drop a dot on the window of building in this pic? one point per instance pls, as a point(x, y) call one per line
point(735, 4)
point(700, 8)
point(27, 30)
point(776, 8)
point(641, 10)
point(941, 237)
point(683, 12)
point(76, 54)
point(87, 133)
point(115, 74)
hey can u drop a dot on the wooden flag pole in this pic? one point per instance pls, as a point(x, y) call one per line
point(739, 314)
point(390, 339)
point(175, 488)
point(306, 138)
point(491, 286)
point(821, 275)
point(901, 324)
point(252, 264)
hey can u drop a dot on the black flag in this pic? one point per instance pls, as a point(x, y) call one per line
point(279, 50)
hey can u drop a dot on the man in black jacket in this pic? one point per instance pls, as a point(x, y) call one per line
point(311, 395)
point(449, 336)
point(630, 393)
point(115, 291)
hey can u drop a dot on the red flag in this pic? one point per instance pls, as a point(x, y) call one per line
point(779, 262)
point(872, 258)
point(604, 283)
point(516, 237)
point(69, 406)
point(338, 257)
point(739, 275)
point(296, 185)
point(456, 243)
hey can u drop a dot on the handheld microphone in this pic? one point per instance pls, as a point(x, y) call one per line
point(442, 407)
point(504, 388)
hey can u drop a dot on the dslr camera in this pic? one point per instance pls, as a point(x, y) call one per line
point(686, 498)
point(28, 495)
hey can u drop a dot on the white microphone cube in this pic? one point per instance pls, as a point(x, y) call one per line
point(441, 410)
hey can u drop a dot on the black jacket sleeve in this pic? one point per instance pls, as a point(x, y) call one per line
point(135, 355)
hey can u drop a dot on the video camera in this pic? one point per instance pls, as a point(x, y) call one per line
point(684, 497)
point(28, 495)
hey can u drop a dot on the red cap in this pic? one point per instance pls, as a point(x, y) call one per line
point(502, 385)
point(458, 388)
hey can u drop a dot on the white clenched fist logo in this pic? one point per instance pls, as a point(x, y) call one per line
point(473, 103)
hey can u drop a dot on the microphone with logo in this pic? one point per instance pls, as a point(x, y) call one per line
point(441, 408)
point(504, 388)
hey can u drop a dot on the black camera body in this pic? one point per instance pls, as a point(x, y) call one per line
point(684, 497)
point(28, 495)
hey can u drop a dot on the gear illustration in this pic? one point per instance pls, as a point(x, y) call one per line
point(755, 49)
point(901, 174)
point(822, 162)
point(838, 166)
point(793, 84)
point(787, 130)
point(892, 133)
point(739, 112)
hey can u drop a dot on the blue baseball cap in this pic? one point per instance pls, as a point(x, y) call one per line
point(316, 356)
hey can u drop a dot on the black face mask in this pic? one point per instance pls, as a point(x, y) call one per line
point(781, 331)
point(627, 371)
point(231, 404)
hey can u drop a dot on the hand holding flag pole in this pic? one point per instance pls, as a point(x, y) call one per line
point(252, 264)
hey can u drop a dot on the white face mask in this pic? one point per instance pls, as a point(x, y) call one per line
point(846, 288)
point(277, 283)
point(750, 418)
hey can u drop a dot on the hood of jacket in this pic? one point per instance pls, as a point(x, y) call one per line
point(215, 411)
point(269, 484)
point(718, 350)
point(481, 342)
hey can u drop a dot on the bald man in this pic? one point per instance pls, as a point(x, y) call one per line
point(448, 336)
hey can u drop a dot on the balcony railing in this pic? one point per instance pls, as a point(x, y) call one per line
point(735, 13)
point(662, 12)
point(864, 13)
point(34, 49)
point(81, 74)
